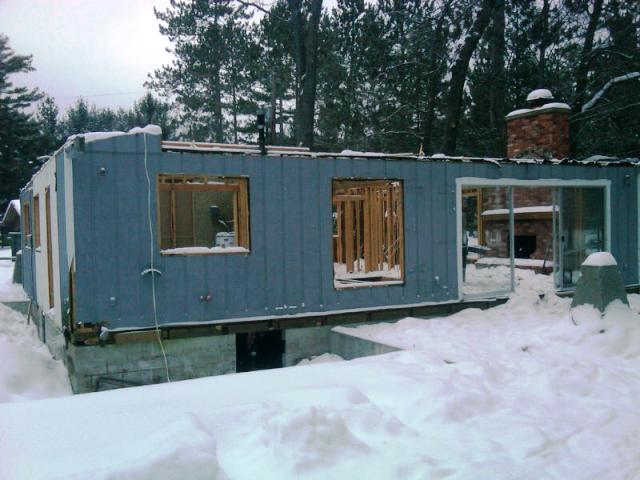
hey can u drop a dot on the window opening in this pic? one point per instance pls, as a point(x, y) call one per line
point(201, 214)
point(259, 350)
point(368, 243)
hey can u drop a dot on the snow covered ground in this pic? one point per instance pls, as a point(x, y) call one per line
point(27, 370)
point(526, 390)
point(9, 292)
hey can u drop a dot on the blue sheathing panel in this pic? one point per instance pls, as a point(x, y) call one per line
point(289, 269)
point(28, 262)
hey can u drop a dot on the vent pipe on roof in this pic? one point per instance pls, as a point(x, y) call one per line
point(261, 132)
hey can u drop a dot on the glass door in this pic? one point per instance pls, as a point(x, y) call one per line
point(487, 243)
point(581, 230)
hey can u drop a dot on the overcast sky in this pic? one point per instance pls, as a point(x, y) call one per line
point(99, 49)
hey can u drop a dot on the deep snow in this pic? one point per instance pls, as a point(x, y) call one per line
point(27, 370)
point(524, 390)
point(9, 291)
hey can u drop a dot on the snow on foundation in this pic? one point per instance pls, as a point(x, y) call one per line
point(600, 259)
point(324, 358)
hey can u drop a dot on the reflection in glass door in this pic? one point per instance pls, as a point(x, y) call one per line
point(581, 228)
point(487, 243)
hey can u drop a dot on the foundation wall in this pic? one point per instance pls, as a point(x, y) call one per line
point(101, 367)
point(301, 343)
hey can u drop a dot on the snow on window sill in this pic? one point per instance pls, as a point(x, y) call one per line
point(342, 284)
point(184, 251)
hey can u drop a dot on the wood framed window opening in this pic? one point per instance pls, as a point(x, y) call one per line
point(203, 214)
point(36, 221)
point(368, 240)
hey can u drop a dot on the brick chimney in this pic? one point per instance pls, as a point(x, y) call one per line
point(540, 131)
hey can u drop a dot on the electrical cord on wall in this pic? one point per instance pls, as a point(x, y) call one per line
point(152, 269)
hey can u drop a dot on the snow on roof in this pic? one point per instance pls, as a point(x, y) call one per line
point(273, 150)
point(549, 106)
point(546, 106)
point(14, 206)
point(599, 259)
point(94, 136)
point(539, 93)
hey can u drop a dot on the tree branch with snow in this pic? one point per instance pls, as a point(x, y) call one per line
point(607, 86)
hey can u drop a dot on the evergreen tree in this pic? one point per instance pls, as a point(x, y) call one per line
point(47, 118)
point(202, 73)
point(18, 130)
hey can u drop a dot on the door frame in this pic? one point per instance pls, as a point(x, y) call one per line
point(462, 182)
point(47, 206)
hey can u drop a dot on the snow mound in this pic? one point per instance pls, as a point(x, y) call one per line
point(182, 449)
point(28, 372)
point(539, 94)
point(600, 259)
point(526, 387)
point(307, 436)
point(324, 358)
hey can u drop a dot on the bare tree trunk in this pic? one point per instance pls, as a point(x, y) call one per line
point(281, 138)
point(297, 27)
point(459, 76)
point(235, 114)
point(582, 75)
point(544, 41)
point(306, 55)
point(434, 66)
point(497, 93)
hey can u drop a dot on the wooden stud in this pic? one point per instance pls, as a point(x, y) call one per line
point(348, 236)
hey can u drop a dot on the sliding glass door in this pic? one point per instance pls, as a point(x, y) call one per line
point(512, 232)
point(581, 227)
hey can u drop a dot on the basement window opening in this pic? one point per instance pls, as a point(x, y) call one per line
point(203, 214)
point(259, 350)
point(368, 233)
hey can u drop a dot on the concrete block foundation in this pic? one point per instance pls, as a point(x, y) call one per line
point(92, 367)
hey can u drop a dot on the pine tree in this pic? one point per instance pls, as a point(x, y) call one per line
point(18, 130)
point(47, 117)
point(203, 72)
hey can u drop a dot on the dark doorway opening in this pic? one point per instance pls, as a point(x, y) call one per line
point(259, 350)
point(524, 245)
